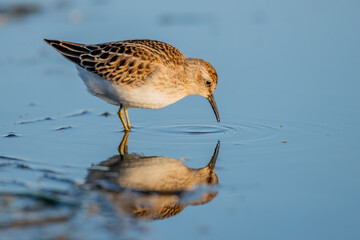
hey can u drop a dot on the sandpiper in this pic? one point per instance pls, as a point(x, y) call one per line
point(140, 73)
point(153, 187)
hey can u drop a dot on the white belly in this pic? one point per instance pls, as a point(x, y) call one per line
point(144, 96)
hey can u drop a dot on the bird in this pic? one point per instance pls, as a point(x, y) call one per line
point(140, 73)
point(153, 187)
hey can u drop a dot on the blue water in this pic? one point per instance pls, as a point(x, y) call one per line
point(287, 95)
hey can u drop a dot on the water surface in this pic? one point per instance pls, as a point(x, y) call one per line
point(287, 166)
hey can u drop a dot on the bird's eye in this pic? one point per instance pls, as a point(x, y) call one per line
point(208, 83)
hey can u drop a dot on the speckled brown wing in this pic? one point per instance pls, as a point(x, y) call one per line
point(125, 62)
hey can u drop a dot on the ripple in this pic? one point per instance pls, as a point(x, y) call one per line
point(63, 128)
point(175, 132)
point(79, 113)
point(11, 135)
point(36, 120)
point(191, 129)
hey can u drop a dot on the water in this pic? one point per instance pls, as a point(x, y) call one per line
point(288, 100)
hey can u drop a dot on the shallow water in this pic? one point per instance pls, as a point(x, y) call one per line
point(288, 99)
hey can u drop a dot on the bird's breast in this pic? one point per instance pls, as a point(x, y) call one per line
point(156, 92)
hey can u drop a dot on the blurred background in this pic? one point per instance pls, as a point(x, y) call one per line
point(288, 97)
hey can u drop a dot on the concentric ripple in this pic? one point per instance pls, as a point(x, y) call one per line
point(175, 132)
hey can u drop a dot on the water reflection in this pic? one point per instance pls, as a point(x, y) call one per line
point(153, 187)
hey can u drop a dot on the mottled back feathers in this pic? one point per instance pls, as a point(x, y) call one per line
point(124, 62)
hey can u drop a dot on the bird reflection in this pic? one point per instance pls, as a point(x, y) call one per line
point(153, 187)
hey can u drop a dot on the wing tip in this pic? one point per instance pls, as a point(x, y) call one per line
point(51, 41)
point(67, 52)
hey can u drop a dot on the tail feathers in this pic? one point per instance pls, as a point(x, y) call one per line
point(71, 51)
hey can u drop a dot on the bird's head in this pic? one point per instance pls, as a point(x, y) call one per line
point(206, 80)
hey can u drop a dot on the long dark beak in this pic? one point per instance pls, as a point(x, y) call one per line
point(214, 107)
point(212, 162)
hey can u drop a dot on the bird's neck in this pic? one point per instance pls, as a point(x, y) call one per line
point(191, 75)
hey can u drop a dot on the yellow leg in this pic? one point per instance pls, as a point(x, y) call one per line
point(127, 118)
point(126, 143)
point(123, 148)
point(121, 116)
